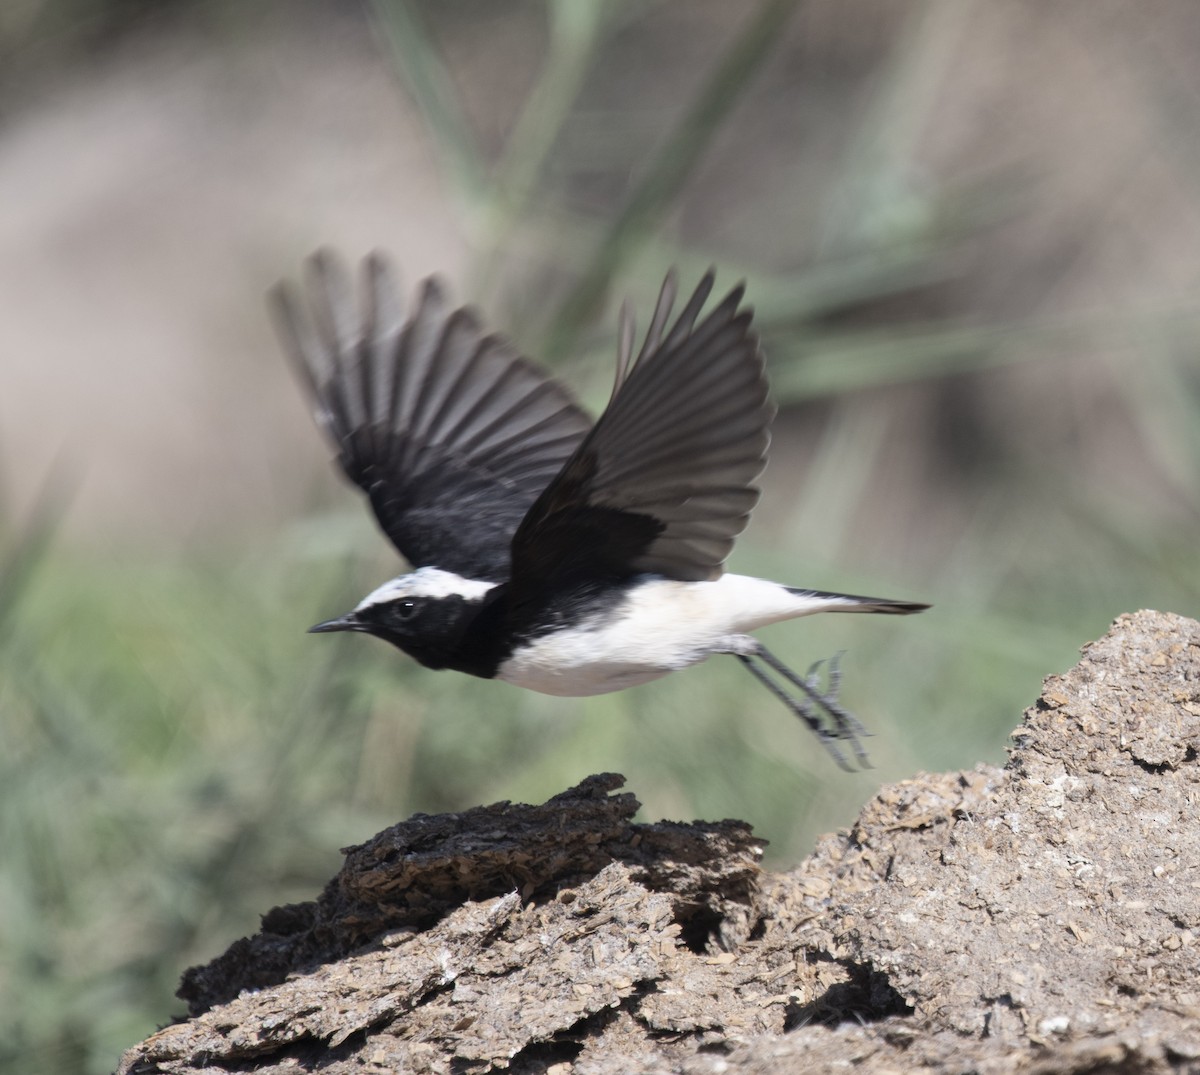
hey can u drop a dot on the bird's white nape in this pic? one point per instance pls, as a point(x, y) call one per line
point(430, 582)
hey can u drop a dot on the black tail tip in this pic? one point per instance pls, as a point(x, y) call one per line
point(852, 602)
point(903, 608)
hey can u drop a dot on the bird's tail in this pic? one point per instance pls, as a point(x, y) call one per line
point(848, 602)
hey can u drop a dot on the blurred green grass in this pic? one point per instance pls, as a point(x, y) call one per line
point(179, 756)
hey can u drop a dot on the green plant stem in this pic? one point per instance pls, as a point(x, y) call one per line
point(669, 170)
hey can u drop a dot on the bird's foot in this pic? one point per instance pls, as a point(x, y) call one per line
point(816, 704)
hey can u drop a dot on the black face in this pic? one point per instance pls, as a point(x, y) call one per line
point(427, 628)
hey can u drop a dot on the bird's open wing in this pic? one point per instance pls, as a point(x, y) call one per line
point(663, 482)
point(450, 432)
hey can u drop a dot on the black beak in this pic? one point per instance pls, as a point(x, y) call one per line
point(348, 622)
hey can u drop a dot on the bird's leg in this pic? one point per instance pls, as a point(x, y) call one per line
point(816, 704)
point(800, 706)
point(848, 725)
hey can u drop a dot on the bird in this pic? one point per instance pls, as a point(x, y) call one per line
point(558, 555)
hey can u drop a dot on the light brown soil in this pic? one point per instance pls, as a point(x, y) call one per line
point(1040, 918)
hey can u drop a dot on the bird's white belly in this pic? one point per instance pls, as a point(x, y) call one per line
point(570, 665)
point(662, 626)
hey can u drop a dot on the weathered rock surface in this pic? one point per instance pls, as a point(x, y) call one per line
point(1039, 918)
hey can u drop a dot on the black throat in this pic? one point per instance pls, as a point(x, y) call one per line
point(486, 640)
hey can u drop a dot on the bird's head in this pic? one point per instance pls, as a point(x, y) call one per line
point(424, 614)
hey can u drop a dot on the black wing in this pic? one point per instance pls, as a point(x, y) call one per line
point(663, 483)
point(451, 433)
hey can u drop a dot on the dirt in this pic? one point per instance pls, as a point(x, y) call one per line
point(1042, 917)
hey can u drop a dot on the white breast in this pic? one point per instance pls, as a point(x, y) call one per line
point(662, 626)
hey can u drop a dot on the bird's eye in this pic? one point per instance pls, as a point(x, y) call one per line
point(406, 609)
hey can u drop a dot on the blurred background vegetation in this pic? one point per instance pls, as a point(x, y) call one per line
point(972, 235)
